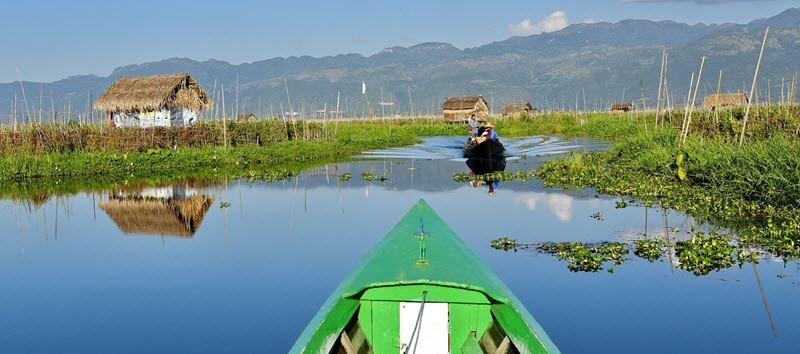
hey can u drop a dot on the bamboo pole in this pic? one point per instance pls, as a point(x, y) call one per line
point(686, 111)
point(236, 110)
point(52, 107)
point(41, 101)
point(716, 101)
point(214, 94)
point(224, 119)
point(666, 88)
point(753, 87)
point(694, 99)
point(15, 112)
point(660, 82)
point(27, 117)
point(291, 111)
point(338, 116)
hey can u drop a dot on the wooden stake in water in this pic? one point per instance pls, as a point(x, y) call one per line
point(753, 88)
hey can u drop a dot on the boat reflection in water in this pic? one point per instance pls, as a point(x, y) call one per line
point(483, 167)
point(172, 210)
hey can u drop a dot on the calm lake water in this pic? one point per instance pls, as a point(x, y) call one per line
point(241, 267)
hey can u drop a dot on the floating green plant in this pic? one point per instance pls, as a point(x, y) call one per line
point(649, 249)
point(367, 176)
point(703, 253)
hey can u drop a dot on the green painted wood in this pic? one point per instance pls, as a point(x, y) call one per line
point(393, 263)
point(467, 320)
point(385, 331)
point(365, 318)
point(470, 346)
point(436, 293)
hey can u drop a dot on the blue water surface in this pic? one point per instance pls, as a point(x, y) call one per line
point(247, 274)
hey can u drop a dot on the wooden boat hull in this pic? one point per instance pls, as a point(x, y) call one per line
point(422, 273)
point(483, 148)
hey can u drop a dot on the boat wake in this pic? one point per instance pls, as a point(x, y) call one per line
point(451, 148)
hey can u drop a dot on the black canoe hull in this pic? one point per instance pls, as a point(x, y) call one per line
point(488, 149)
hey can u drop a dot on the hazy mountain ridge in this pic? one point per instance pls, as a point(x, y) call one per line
point(598, 60)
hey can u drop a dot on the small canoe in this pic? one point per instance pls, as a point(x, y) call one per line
point(483, 148)
point(422, 290)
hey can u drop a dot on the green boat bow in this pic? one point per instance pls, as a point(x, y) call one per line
point(422, 268)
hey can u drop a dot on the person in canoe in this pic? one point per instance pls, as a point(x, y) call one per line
point(473, 125)
point(489, 132)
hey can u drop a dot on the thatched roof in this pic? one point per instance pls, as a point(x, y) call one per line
point(150, 93)
point(462, 103)
point(516, 107)
point(725, 99)
point(171, 217)
point(246, 117)
point(622, 106)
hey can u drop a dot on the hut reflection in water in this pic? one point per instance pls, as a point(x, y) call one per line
point(167, 211)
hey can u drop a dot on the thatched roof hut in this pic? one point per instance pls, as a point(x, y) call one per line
point(722, 100)
point(459, 109)
point(155, 100)
point(155, 216)
point(622, 107)
point(150, 93)
point(246, 117)
point(518, 108)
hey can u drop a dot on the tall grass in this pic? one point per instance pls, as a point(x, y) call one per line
point(766, 170)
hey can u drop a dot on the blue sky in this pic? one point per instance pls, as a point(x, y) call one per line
point(50, 40)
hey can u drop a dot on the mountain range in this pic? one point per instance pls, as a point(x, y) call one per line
point(586, 65)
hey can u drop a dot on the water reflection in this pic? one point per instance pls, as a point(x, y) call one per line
point(484, 168)
point(306, 232)
point(171, 210)
point(557, 203)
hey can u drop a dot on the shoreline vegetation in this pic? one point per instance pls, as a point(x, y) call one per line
point(753, 188)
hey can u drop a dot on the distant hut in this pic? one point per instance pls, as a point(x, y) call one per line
point(159, 211)
point(158, 100)
point(246, 117)
point(724, 100)
point(459, 109)
point(622, 107)
point(512, 108)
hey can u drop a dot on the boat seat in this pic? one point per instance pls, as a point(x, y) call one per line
point(495, 341)
point(352, 340)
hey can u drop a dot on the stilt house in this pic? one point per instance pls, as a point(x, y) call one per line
point(513, 108)
point(158, 100)
point(459, 109)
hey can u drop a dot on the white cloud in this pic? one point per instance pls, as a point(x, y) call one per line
point(552, 22)
point(590, 20)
